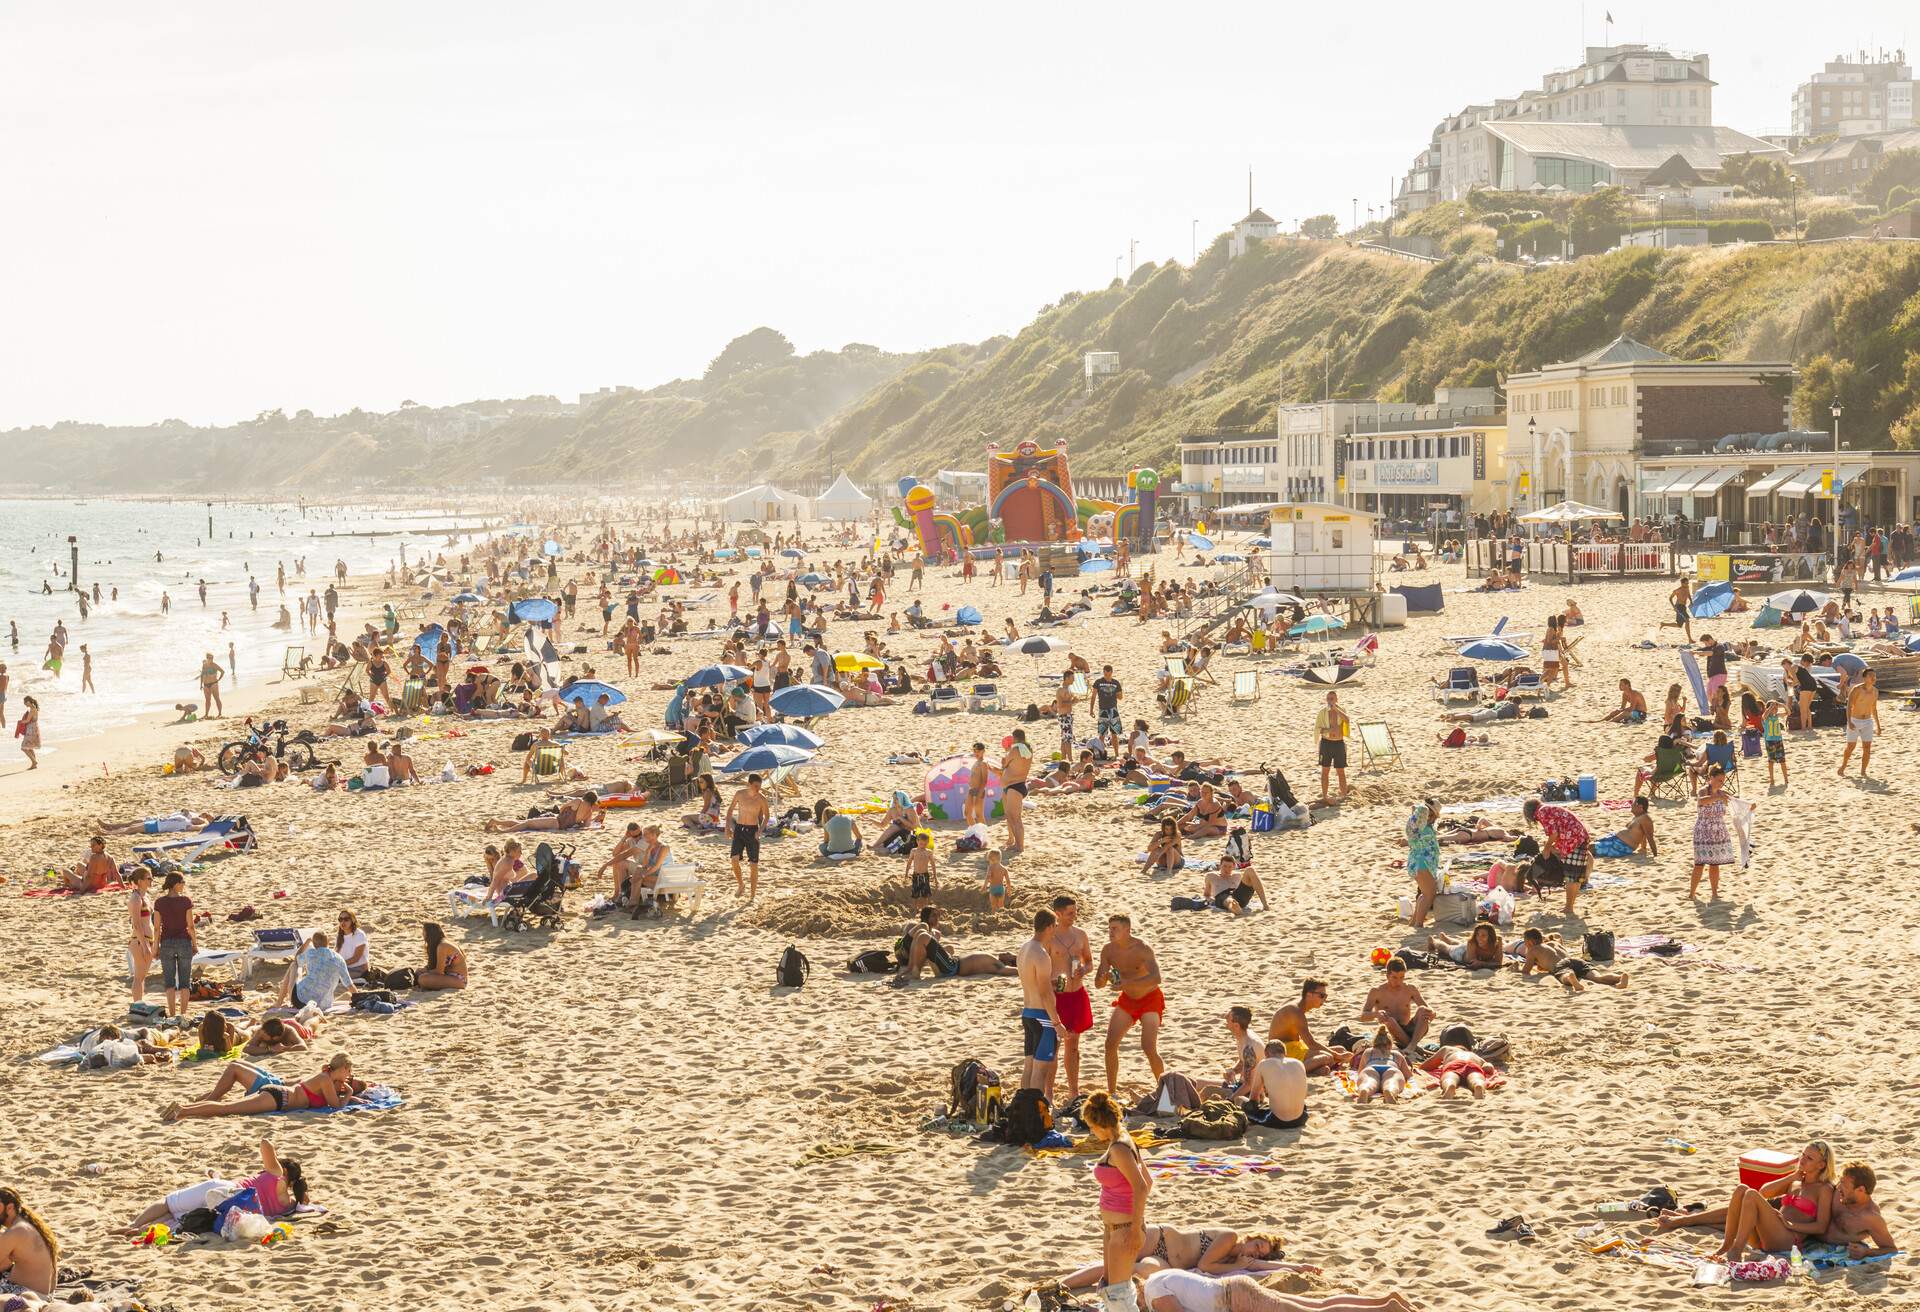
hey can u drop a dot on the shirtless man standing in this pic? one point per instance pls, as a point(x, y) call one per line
point(1128, 964)
point(745, 814)
point(29, 1254)
point(1015, 766)
point(1072, 958)
point(1039, 1020)
point(1399, 1006)
point(1290, 1027)
point(1863, 722)
point(1856, 1220)
point(1063, 704)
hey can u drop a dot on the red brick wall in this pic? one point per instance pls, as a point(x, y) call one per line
point(1710, 412)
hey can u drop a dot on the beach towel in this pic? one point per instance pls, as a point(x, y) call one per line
point(64, 891)
point(1220, 1165)
point(1490, 804)
point(1189, 863)
point(378, 1098)
point(1145, 1137)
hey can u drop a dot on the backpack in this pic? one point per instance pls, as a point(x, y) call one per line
point(1237, 846)
point(1029, 1117)
point(1599, 945)
point(792, 971)
point(401, 977)
point(1493, 1048)
point(876, 961)
point(1215, 1119)
point(522, 741)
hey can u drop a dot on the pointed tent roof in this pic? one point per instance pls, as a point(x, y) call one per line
point(1258, 216)
point(1622, 350)
point(761, 494)
point(843, 489)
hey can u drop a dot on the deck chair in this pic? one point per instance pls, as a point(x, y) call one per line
point(1177, 696)
point(1246, 686)
point(1177, 666)
point(783, 783)
point(1668, 777)
point(413, 695)
point(227, 831)
point(1377, 746)
point(944, 697)
point(985, 697)
point(679, 780)
point(1727, 757)
point(1461, 681)
point(549, 760)
point(1363, 652)
point(295, 664)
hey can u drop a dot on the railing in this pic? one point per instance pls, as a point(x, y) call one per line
point(1230, 595)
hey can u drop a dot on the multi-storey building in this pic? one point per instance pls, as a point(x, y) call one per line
point(1854, 95)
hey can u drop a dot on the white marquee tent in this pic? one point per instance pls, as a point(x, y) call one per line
point(842, 501)
point(765, 502)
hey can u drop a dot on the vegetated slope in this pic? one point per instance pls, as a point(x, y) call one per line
point(1218, 345)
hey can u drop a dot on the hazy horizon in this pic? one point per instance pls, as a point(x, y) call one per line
point(226, 210)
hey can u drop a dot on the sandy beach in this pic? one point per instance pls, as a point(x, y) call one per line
point(629, 1114)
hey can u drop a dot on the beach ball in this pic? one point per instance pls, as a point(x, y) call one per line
point(1381, 956)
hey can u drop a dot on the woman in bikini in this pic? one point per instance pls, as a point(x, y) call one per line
point(332, 1088)
point(1480, 950)
point(142, 946)
point(1124, 1187)
point(1805, 1200)
point(1454, 1065)
point(1163, 853)
point(712, 806)
point(446, 965)
point(1212, 1251)
point(1381, 1070)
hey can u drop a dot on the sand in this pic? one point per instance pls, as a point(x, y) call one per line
point(620, 1114)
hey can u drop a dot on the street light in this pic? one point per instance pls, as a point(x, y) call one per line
point(1835, 411)
point(1356, 214)
point(1195, 258)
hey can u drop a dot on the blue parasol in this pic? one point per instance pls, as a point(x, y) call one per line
point(1317, 624)
point(533, 610)
point(1200, 542)
point(709, 675)
point(1493, 649)
point(792, 552)
point(805, 701)
point(1096, 565)
point(1711, 600)
point(551, 548)
point(784, 735)
point(967, 615)
point(769, 757)
point(587, 692)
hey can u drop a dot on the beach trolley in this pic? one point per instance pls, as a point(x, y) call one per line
point(1326, 552)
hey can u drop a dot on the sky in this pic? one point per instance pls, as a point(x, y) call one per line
point(220, 208)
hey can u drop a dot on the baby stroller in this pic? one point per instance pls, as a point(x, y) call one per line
point(542, 898)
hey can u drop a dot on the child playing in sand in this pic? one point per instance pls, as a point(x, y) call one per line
point(996, 881)
point(923, 870)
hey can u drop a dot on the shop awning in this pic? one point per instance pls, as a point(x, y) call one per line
point(1802, 483)
point(1844, 475)
point(1712, 483)
point(1665, 480)
point(1772, 482)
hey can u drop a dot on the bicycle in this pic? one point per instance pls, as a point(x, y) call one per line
point(296, 749)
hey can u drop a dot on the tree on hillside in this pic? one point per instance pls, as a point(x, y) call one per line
point(1322, 226)
point(1598, 220)
point(763, 348)
point(1758, 175)
point(1899, 168)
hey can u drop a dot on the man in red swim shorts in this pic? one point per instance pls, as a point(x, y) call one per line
point(1072, 958)
point(1129, 965)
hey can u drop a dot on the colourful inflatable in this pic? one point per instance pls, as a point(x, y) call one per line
point(947, 788)
point(1031, 493)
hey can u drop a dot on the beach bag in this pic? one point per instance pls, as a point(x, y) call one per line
point(401, 977)
point(1414, 960)
point(1237, 846)
point(1183, 903)
point(792, 971)
point(1493, 1048)
point(973, 1092)
point(1346, 1037)
point(522, 741)
point(1215, 1119)
point(1599, 945)
point(876, 961)
point(1029, 1117)
point(1262, 818)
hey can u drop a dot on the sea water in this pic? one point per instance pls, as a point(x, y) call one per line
point(144, 661)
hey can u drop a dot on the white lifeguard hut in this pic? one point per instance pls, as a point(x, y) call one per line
point(1322, 550)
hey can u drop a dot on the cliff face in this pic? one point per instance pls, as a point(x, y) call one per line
point(1217, 345)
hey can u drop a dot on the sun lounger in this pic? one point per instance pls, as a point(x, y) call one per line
point(1525, 684)
point(944, 697)
point(985, 697)
point(230, 831)
point(272, 946)
point(1462, 681)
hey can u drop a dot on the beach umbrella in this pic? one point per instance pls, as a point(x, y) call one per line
point(722, 553)
point(1330, 674)
point(534, 610)
point(1200, 542)
point(769, 757)
point(1767, 618)
point(1907, 575)
point(1849, 662)
point(812, 579)
point(467, 599)
point(1096, 565)
point(753, 553)
point(1261, 542)
point(646, 563)
point(1040, 644)
point(1912, 643)
point(1317, 624)
point(785, 735)
point(1711, 600)
point(550, 548)
point(793, 553)
point(1271, 600)
point(659, 735)
point(586, 692)
point(1795, 600)
point(846, 661)
point(1493, 649)
point(709, 675)
point(1229, 558)
point(966, 615)
point(666, 574)
point(806, 701)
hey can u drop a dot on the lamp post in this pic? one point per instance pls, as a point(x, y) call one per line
point(1356, 214)
point(1533, 441)
point(1836, 487)
point(1195, 257)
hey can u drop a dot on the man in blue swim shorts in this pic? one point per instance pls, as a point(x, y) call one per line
point(1039, 1022)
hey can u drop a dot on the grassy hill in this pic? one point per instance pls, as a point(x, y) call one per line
point(1215, 345)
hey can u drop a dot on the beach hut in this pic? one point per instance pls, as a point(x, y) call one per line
point(1321, 548)
point(763, 504)
point(843, 501)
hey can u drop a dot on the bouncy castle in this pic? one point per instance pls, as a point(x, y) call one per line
point(1134, 521)
point(941, 536)
point(1030, 492)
